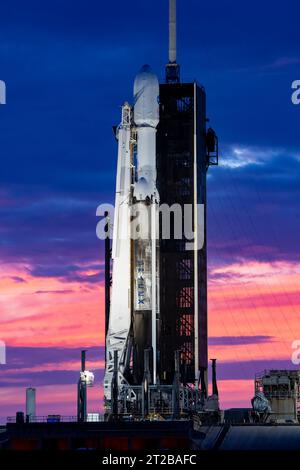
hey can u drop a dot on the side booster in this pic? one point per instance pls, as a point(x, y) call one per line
point(134, 306)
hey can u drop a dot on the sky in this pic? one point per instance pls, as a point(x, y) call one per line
point(68, 67)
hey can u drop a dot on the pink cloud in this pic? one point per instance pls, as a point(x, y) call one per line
point(245, 299)
point(28, 318)
point(235, 393)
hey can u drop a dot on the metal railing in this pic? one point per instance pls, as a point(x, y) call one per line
point(56, 419)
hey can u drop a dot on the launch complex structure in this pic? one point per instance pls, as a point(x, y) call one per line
point(156, 298)
point(155, 382)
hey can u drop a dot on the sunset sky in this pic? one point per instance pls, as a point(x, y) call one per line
point(68, 67)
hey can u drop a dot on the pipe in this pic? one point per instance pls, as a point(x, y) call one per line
point(83, 360)
point(81, 393)
point(175, 389)
point(146, 384)
point(114, 387)
point(107, 272)
point(203, 385)
point(214, 377)
point(154, 291)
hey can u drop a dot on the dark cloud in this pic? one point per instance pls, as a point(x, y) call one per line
point(36, 379)
point(37, 356)
point(71, 273)
point(18, 279)
point(61, 291)
point(20, 358)
point(253, 210)
point(57, 232)
point(247, 370)
point(238, 340)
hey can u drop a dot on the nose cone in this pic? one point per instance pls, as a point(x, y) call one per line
point(146, 98)
point(146, 69)
point(145, 75)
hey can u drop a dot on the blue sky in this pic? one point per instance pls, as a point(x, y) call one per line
point(69, 67)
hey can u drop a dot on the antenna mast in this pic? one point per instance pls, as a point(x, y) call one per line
point(172, 68)
point(172, 32)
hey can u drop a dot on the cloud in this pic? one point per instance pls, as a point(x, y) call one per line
point(247, 370)
point(253, 205)
point(51, 310)
point(17, 279)
point(239, 156)
point(237, 340)
point(61, 291)
point(38, 366)
point(37, 356)
point(251, 271)
point(282, 62)
point(257, 162)
point(72, 273)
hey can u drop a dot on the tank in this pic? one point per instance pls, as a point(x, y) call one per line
point(30, 403)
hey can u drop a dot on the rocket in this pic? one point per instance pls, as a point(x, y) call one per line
point(156, 308)
point(134, 309)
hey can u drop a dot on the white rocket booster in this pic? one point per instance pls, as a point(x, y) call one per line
point(134, 257)
point(120, 309)
point(146, 118)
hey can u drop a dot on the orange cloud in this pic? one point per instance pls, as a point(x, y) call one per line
point(250, 299)
point(245, 299)
point(47, 311)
